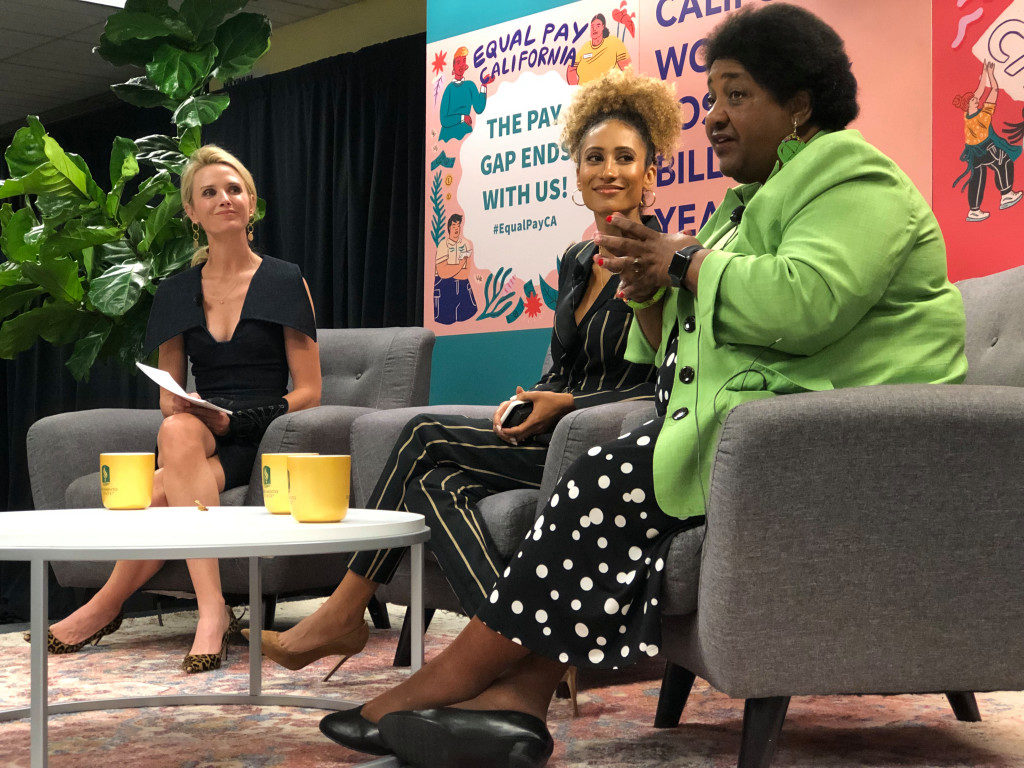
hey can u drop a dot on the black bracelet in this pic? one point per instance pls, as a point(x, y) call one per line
point(251, 423)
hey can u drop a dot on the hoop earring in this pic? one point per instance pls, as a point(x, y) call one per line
point(248, 230)
point(654, 198)
point(195, 235)
point(791, 146)
point(573, 198)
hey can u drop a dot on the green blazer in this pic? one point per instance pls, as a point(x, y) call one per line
point(835, 277)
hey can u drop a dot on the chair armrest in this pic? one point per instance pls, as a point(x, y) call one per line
point(374, 435)
point(867, 540)
point(63, 447)
point(580, 430)
point(325, 429)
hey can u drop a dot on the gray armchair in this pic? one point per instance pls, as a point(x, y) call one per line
point(364, 370)
point(862, 541)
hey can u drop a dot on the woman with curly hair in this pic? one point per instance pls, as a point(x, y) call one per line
point(826, 268)
point(442, 466)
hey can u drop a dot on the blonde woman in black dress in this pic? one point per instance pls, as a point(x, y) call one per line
point(246, 323)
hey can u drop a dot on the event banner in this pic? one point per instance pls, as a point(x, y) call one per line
point(500, 209)
point(978, 127)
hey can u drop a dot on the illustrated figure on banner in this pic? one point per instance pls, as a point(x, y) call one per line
point(985, 149)
point(461, 98)
point(453, 296)
point(597, 56)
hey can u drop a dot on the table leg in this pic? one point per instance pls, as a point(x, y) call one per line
point(255, 628)
point(39, 672)
point(416, 607)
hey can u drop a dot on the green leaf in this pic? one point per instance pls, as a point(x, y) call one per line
point(63, 323)
point(26, 150)
point(191, 140)
point(116, 290)
point(136, 52)
point(86, 349)
point(124, 166)
point(140, 92)
point(64, 165)
point(115, 252)
point(549, 294)
point(173, 256)
point(17, 298)
point(20, 333)
point(43, 179)
point(14, 230)
point(204, 16)
point(200, 110)
point(150, 188)
point(241, 41)
point(155, 222)
point(127, 25)
point(58, 276)
point(261, 210)
point(75, 237)
point(10, 275)
point(179, 73)
point(161, 152)
point(61, 206)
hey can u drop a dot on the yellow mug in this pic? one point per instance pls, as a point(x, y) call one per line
point(126, 480)
point(318, 487)
point(274, 476)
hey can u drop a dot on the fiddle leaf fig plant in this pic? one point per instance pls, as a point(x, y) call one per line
point(81, 262)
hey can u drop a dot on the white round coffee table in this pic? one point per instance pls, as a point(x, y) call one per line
point(176, 533)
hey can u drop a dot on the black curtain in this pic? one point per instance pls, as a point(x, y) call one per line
point(336, 148)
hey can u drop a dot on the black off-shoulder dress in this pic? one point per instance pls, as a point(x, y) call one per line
point(250, 368)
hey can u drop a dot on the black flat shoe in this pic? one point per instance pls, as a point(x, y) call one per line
point(350, 729)
point(464, 738)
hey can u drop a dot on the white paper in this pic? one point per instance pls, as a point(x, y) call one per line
point(165, 380)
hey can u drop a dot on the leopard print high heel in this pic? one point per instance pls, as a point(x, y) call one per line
point(194, 663)
point(57, 647)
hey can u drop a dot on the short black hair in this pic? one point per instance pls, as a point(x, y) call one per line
point(786, 50)
point(630, 118)
point(604, 23)
point(455, 218)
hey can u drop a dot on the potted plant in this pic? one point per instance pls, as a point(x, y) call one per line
point(81, 263)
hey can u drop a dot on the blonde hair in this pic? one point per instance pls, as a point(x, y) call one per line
point(645, 102)
point(211, 154)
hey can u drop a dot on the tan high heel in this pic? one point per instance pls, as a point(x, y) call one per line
point(194, 663)
point(567, 689)
point(347, 646)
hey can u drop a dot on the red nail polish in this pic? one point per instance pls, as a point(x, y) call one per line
point(600, 262)
point(608, 219)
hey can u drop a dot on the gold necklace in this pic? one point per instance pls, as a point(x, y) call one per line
point(228, 292)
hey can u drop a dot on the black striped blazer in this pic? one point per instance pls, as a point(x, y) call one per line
point(587, 359)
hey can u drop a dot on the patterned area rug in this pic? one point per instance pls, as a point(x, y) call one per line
point(613, 731)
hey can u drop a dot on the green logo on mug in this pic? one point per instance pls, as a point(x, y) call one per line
point(266, 475)
point(104, 474)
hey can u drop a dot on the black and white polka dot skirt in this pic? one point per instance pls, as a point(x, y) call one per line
point(584, 586)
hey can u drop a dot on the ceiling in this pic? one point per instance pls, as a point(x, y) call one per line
point(47, 66)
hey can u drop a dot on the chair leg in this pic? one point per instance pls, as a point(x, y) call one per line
point(675, 690)
point(269, 610)
point(403, 653)
point(379, 613)
point(762, 724)
point(965, 706)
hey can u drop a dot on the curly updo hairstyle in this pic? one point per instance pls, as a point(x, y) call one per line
point(786, 50)
point(645, 104)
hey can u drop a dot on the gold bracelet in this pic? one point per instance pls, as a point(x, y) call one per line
point(638, 305)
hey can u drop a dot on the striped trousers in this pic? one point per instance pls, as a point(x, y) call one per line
point(441, 467)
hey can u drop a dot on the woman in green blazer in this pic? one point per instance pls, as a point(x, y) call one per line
point(825, 268)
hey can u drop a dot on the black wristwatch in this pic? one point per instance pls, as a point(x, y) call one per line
point(681, 263)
